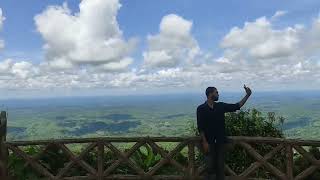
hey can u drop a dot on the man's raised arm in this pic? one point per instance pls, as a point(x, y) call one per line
point(244, 99)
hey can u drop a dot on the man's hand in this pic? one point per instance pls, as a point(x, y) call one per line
point(205, 147)
point(245, 98)
point(248, 90)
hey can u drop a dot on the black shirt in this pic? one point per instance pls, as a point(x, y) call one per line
point(211, 120)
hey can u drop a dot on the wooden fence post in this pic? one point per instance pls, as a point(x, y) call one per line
point(3, 149)
point(289, 163)
point(191, 159)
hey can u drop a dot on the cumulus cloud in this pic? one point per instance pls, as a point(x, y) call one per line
point(17, 70)
point(260, 40)
point(259, 54)
point(5, 66)
point(311, 39)
point(2, 18)
point(117, 66)
point(278, 14)
point(24, 69)
point(263, 54)
point(91, 36)
point(174, 45)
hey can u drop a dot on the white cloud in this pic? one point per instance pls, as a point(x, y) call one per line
point(23, 69)
point(173, 46)
point(223, 60)
point(311, 38)
point(90, 36)
point(278, 14)
point(257, 54)
point(266, 56)
point(5, 66)
point(259, 40)
point(17, 70)
point(159, 58)
point(18, 77)
point(2, 18)
point(175, 25)
point(58, 64)
point(118, 66)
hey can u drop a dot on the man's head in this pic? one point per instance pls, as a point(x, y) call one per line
point(212, 93)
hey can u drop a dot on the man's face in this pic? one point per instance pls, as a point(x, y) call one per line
point(215, 95)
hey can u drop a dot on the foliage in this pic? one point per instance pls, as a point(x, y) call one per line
point(17, 167)
point(146, 158)
point(253, 123)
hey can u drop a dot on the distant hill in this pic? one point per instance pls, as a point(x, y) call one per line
point(155, 115)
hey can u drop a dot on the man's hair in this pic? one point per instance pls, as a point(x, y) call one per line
point(210, 90)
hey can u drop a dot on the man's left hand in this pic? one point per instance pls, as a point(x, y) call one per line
point(248, 90)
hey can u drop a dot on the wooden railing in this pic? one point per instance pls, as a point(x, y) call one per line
point(191, 170)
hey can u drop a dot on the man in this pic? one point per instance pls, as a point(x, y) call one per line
point(211, 126)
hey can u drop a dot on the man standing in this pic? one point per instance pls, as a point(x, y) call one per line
point(211, 126)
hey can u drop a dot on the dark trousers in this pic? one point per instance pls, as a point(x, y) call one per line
point(215, 161)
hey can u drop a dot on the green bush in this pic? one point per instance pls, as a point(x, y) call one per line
point(253, 123)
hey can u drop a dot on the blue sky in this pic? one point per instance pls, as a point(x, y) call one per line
point(212, 19)
point(211, 22)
